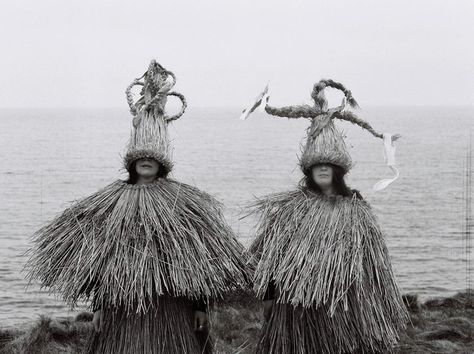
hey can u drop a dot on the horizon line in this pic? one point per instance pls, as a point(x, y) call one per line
point(240, 107)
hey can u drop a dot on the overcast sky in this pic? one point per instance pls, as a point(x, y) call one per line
point(83, 53)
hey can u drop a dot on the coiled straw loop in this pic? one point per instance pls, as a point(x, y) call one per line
point(129, 95)
point(183, 106)
point(156, 83)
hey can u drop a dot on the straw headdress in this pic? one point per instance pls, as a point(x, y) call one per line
point(324, 143)
point(149, 137)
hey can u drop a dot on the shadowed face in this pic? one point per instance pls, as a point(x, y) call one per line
point(147, 168)
point(322, 175)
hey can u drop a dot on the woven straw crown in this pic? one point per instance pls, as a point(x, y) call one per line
point(327, 146)
point(149, 135)
point(324, 143)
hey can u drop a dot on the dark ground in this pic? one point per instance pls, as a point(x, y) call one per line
point(442, 325)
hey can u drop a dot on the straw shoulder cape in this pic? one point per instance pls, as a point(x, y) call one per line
point(328, 253)
point(138, 242)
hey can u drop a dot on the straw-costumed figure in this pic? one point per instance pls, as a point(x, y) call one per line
point(151, 252)
point(319, 255)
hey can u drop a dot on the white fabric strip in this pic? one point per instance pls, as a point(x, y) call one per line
point(259, 102)
point(389, 152)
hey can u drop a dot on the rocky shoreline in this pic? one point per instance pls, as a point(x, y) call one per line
point(440, 325)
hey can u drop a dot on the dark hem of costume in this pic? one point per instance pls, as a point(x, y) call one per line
point(166, 328)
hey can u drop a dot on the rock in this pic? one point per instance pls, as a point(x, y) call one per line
point(444, 333)
point(461, 324)
point(424, 347)
point(411, 302)
point(450, 302)
point(467, 298)
point(85, 317)
point(443, 346)
point(6, 336)
point(59, 330)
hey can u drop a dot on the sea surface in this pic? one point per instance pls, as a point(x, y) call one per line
point(51, 157)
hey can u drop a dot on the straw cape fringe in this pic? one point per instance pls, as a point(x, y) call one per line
point(328, 252)
point(167, 328)
point(299, 330)
point(138, 242)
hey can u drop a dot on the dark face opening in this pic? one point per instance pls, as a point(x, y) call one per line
point(322, 175)
point(133, 175)
point(337, 179)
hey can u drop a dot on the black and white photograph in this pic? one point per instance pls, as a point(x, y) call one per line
point(236, 177)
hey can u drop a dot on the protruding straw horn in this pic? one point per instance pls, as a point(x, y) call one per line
point(351, 117)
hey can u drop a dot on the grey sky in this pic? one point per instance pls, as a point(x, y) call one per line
point(58, 53)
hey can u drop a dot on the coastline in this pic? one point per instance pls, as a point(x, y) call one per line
point(438, 325)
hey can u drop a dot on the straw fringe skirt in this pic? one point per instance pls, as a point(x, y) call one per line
point(167, 328)
point(336, 291)
point(299, 330)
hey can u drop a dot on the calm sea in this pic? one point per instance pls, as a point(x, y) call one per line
point(52, 157)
